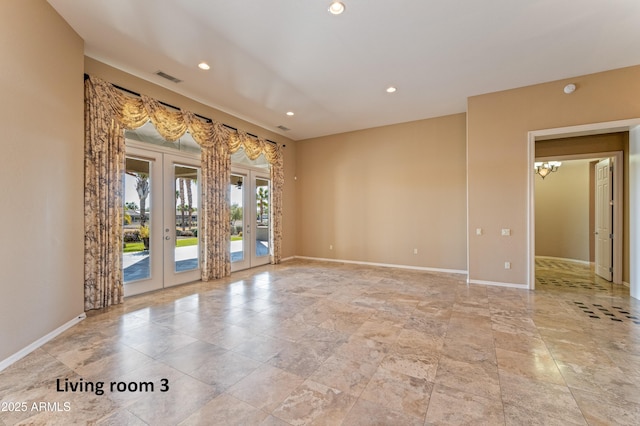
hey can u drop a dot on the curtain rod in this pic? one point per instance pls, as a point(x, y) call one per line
point(207, 119)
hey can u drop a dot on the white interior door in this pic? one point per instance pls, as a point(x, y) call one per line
point(604, 220)
point(250, 218)
point(160, 248)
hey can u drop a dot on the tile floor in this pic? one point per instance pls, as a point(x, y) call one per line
point(330, 344)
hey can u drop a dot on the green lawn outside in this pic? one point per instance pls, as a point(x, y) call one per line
point(133, 247)
point(139, 246)
point(187, 242)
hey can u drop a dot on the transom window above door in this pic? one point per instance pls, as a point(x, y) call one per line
point(149, 134)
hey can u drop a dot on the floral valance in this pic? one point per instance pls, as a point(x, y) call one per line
point(133, 112)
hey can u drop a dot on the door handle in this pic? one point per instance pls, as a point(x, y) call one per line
point(167, 238)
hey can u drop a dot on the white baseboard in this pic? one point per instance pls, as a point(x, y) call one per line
point(386, 265)
point(287, 258)
point(41, 341)
point(499, 284)
point(565, 259)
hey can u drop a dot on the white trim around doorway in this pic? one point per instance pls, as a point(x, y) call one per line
point(631, 125)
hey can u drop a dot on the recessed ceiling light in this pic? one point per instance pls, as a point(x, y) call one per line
point(290, 113)
point(203, 66)
point(336, 7)
point(391, 89)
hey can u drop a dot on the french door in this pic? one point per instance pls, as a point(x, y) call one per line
point(161, 228)
point(250, 218)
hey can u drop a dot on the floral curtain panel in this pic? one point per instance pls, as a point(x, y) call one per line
point(104, 163)
point(108, 112)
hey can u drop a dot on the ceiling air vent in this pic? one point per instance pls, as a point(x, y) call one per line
point(284, 129)
point(168, 77)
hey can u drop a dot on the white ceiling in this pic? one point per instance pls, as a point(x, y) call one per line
point(270, 57)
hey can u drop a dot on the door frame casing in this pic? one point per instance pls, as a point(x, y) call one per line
point(250, 173)
point(632, 126)
point(158, 154)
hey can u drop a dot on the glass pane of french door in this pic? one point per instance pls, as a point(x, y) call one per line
point(137, 211)
point(186, 249)
point(237, 193)
point(262, 230)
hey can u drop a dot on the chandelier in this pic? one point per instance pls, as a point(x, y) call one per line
point(546, 167)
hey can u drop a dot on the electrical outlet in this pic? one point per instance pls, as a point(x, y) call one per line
point(478, 231)
point(506, 232)
point(507, 265)
point(415, 251)
point(330, 246)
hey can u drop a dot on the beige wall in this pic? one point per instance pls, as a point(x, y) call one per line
point(377, 194)
point(41, 173)
point(562, 212)
point(498, 169)
point(138, 85)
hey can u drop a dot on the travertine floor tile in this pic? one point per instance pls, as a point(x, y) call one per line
point(266, 387)
point(453, 407)
point(224, 370)
point(315, 404)
point(520, 343)
point(225, 410)
point(344, 374)
point(533, 366)
point(366, 413)
point(599, 410)
point(518, 415)
point(610, 382)
point(477, 378)
point(399, 392)
point(527, 400)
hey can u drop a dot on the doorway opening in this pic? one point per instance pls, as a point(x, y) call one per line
point(574, 217)
point(631, 126)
